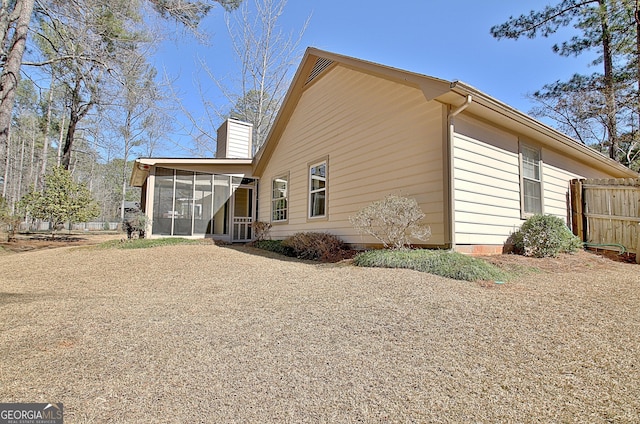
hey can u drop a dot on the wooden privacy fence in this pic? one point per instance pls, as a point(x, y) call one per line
point(607, 212)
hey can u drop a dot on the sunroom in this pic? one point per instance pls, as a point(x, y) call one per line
point(197, 199)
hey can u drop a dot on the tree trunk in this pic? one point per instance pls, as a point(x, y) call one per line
point(609, 88)
point(77, 112)
point(74, 117)
point(32, 155)
point(6, 172)
point(47, 125)
point(60, 140)
point(18, 189)
point(11, 72)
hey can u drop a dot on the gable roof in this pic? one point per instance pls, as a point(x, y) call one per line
point(317, 62)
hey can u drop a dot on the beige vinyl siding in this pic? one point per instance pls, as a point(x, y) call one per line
point(234, 139)
point(486, 183)
point(380, 138)
point(239, 141)
point(557, 171)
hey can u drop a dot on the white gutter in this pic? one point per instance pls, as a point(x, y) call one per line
point(450, 194)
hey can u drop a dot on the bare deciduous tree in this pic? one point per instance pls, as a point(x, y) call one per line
point(265, 56)
point(92, 29)
point(137, 109)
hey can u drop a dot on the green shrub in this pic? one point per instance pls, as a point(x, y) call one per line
point(544, 236)
point(275, 246)
point(393, 221)
point(443, 263)
point(316, 246)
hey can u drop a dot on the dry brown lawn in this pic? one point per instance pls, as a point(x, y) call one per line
point(203, 334)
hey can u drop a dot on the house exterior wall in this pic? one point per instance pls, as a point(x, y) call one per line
point(558, 171)
point(378, 137)
point(487, 182)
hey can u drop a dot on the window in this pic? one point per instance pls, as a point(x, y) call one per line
point(531, 175)
point(318, 190)
point(279, 198)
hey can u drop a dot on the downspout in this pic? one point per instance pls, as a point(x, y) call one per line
point(450, 118)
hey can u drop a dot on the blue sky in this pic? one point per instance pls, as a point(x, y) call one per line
point(447, 39)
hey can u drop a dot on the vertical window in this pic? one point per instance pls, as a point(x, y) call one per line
point(279, 198)
point(318, 190)
point(531, 189)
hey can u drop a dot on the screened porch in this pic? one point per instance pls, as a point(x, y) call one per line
point(189, 203)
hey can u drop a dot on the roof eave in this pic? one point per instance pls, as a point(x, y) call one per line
point(594, 157)
point(142, 166)
point(432, 88)
point(288, 105)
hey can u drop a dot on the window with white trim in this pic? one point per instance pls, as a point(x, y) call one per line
point(531, 175)
point(280, 198)
point(318, 189)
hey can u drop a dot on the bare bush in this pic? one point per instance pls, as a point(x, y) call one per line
point(136, 225)
point(323, 247)
point(393, 221)
point(261, 230)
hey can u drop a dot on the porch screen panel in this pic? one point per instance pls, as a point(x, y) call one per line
point(202, 212)
point(221, 193)
point(163, 201)
point(183, 204)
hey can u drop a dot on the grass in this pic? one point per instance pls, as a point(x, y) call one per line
point(443, 263)
point(201, 333)
point(148, 243)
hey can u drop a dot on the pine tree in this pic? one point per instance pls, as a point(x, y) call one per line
point(603, 27)
point(61, 201)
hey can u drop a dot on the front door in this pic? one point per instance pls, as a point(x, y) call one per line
point(243, 210)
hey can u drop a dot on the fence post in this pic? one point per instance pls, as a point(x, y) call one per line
point(577, 215)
